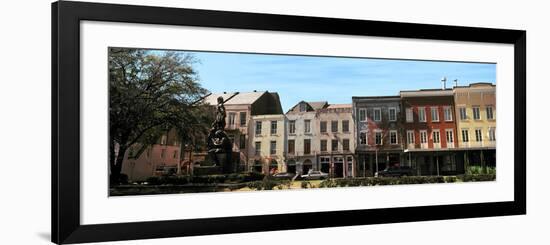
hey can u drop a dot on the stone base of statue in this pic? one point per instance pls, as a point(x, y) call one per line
point(207, 170)
point(223, 160)
point(220, 150)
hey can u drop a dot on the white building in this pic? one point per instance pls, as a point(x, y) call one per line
point(302, 144)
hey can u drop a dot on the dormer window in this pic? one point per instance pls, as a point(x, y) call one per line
point(303, 107)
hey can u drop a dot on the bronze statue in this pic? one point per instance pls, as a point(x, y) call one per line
point(219, 122)
point(218, 143)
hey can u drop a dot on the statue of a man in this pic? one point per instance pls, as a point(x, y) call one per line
point(219, 123)
point(219, 145)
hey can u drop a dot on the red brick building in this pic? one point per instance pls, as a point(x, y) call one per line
point(429, 128)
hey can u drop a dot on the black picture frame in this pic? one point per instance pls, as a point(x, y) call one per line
point(66, 17)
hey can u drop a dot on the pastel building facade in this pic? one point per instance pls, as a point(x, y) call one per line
point(302, 145)
point(163, 157)
point(267, 144)
point(476, 122)
point(434, 131)
point(379, 133)
point(335, 131)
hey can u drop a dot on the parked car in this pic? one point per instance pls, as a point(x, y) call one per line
point(395, 171)
point(284, 175)
point(314, 174)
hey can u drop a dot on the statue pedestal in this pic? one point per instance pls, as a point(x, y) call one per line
point(207, 170)
point(218, 163)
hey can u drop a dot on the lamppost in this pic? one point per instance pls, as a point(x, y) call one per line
point(376, 159)
point(407, 151)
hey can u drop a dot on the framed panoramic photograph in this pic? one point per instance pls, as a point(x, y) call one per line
point(225, 122)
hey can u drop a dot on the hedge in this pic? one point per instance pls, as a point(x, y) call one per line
point(478, 170)
point(261, 182)
point(205, 179)
point(268, 184)
point(373, 181)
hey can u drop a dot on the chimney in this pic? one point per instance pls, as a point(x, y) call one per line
point(443, 83)
point(456, 82)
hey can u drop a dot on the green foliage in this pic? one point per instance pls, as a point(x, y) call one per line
point(267, 184)
point(478, 177)
point(374, 181)
point(257, 181)
point(121, 179)
point(253, 176)
point(305, 184)
point(328, 183)
point(150, 93)
point(209, 179)
point(205, 179)
point(491, 170)
point(472, 170)
point(153, 181)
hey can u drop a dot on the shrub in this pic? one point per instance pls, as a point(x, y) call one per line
point(253, 176)
point(169, 180)
point(479, 177)
point(234, 177)
point(173, 180)
point(153, 181)
point(265, 184)
point(206, 179)
point(305, 184)
point(325, 184)
point(374, 181)
point(491, 170)
point(451, 179)
point(472, 170)
point(121, 179)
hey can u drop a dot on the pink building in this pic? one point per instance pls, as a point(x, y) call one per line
point(158, 159)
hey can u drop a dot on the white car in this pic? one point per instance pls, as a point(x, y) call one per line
point(314, 174)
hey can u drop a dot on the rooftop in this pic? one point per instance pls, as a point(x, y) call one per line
point(389, 97)
point(477, 85)
point(427, 92)
point(317, 104)
point(337, 106)
point(239, 98)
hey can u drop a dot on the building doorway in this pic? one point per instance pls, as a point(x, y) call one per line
point(257, 166)
point(349, 171)
point(325, 164)
point(291, 166)
point(338, 167)
point(273, 167)
point(307, 166)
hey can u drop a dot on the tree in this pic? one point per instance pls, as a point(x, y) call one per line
point(150, 93)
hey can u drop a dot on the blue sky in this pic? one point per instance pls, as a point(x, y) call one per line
point(331, 79)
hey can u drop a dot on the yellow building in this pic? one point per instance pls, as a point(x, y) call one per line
point(267, 143)
point(476, 125)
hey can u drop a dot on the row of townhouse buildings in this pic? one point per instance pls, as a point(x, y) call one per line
point(435, 131)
